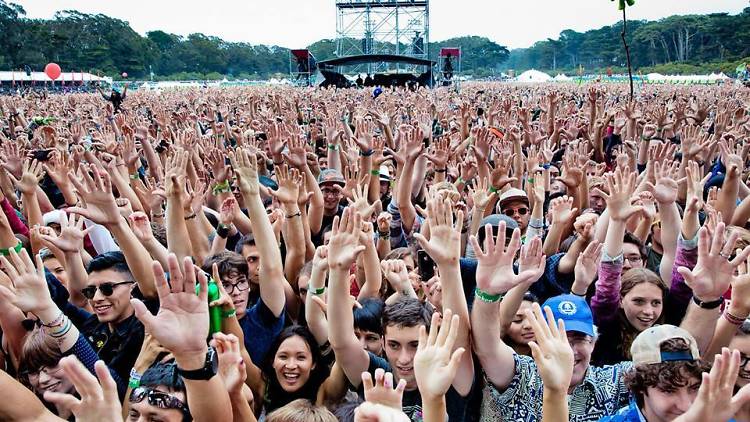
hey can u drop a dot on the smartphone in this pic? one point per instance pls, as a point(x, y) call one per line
point(41, 154)
point(426, 265)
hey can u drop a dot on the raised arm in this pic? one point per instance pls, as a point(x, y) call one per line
point(495, 277)
point(343, 249)
point(444, 247)
point(272, 280)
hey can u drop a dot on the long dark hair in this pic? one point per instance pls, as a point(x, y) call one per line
point(275, 396)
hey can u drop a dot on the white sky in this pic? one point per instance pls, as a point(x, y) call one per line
point(297, 23)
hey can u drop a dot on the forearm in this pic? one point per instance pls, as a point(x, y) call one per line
point(726, 330)
point(198, 236)
point(727, 199)
point(13, 331)
point(568, 261)
point(136, 256)
point(404, 193)
point(77, 277)
point(241, 410)
point(294, 239)
point(31, 209)
point(742, 213)
point(373, 275)
point(316, 319)
point(510, 305)
point(670, 229)
point(552, 241)
point(178, 238)
point(434, 410)
point(701, 324)
point(20, 404)
point(494, 355)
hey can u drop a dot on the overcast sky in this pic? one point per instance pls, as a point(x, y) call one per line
point(297, 23)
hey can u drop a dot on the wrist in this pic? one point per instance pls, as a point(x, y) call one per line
point(190, 361)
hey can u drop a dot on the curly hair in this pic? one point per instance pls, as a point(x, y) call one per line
point(665, 376)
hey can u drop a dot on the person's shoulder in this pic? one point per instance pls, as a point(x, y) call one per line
point(377, 362)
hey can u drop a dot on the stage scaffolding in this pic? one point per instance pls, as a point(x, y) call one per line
point(400, 27)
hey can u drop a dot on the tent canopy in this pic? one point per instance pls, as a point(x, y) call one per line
point(533, 76)
point(372, 58)
point(20, 76)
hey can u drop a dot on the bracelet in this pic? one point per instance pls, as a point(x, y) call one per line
point(57, 322)
point(279, 163)
point(441, 170)
point(222, 187)
point(367, 153)
point(708, 305)
point(375, 172)
point(333, 147)
point(576, 294)
point(486, 297)
point(135, 379)
point(229, 314)
point(17, 248)
point(297, 214)
point(493, 189)
point(64, 330)
point(530, 180)
point(546, 166)
point(317, 292)
point(734, 320)
point(157, 215)
point(191, 216)
point(384, 234)
point(135, 176)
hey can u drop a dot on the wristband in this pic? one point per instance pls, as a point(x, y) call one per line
point(297, 214)
point(333, 147)
point(17, 248)
point(546, 166)
point(57, 322)
point(222, 231)
point(135, 176)
point(191, 216)
point(367, 153)
point(222, 187)
point(734, 320)
point(486, 297)
point(135, 379)
point(708, 305)
point(441, 170)
point(460, 181)
point(530, 180)
point(317, 292)
point(229, 314)
point(375, 172)
point(157, 215)
point(493, 189)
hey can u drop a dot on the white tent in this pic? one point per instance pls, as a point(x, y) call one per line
point(561, 77)
point(67, 77)
point(533, 76)
point(655, 77)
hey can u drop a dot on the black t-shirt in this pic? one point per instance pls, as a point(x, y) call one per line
point(458, 407)
point(317, 239)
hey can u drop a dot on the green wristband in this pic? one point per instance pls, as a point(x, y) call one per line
point(486, 297)
point(17, 248)
point(493, 189)
point(228, 314)
point(375, 172)
point(318, 292)
point(222, 187)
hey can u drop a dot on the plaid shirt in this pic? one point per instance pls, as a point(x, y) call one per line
point(601, 393)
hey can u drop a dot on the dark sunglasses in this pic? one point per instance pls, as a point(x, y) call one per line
point(521, 211)
point(107, 288)
point(158, 399)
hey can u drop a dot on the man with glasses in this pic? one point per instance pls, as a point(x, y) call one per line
point(160, 396)
point(515, 204)
point(331, 183)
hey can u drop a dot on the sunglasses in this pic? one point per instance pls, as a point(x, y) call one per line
point(107, 288)
point(521, 211)
point(158, 399)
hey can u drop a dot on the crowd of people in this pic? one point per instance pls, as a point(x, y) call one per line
point(502, 253)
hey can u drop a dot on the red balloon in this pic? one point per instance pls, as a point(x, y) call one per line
point(124, 74)
point(52, 70)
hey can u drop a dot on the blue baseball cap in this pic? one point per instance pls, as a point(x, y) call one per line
point(574, 311)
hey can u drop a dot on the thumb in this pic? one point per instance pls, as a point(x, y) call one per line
point(65, 401)
point(144, 315)
point(321, 304)
point(687, 274)
point(422, 241)
point(456, 358)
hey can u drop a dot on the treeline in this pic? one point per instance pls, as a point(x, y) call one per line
point(99, 43)
point(677, 44)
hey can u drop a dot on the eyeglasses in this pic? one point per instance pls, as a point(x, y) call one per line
point(521, 211)
point(744, 359)
point(330, 192)
point(241, 284)
point(633, 258)
point(107, 288)
point(158, 399)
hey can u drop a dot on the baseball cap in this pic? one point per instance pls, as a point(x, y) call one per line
point(513, 194)
point(574, 311)
point(331, 176)
point(495, 219)
point(385, 174)
point(646, 348)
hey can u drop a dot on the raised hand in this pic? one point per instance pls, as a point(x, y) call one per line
point(231, 364)
point(30, 176)
point(561, 209)
point(621, 187)
point(29, 291)
point(394, 270)
point(550, 349)
point(481, 196)
point(71, 235)
point(436, 363)
point(363, 134)
point(712, 274)
point(359, 201)
point(98, 398)
point(181, 325)
point(665, 191)
point(439, 154)
point(289, 185)
point(228, 210)
point(587, 266)
point(444, 245)
point(344, 246)
point(96, 191)
point(383, 391)
point(245, 166)
point(500, 175)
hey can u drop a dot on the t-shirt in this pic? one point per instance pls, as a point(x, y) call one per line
point(260, 328)
point(458, 407)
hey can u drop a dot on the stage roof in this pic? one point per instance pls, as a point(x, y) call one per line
point(370, 58)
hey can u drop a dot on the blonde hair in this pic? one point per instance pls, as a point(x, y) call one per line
point(301, 410)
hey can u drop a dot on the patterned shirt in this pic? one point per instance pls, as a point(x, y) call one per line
point(601, 393)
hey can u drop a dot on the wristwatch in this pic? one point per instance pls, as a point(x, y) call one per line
point(210, 368)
